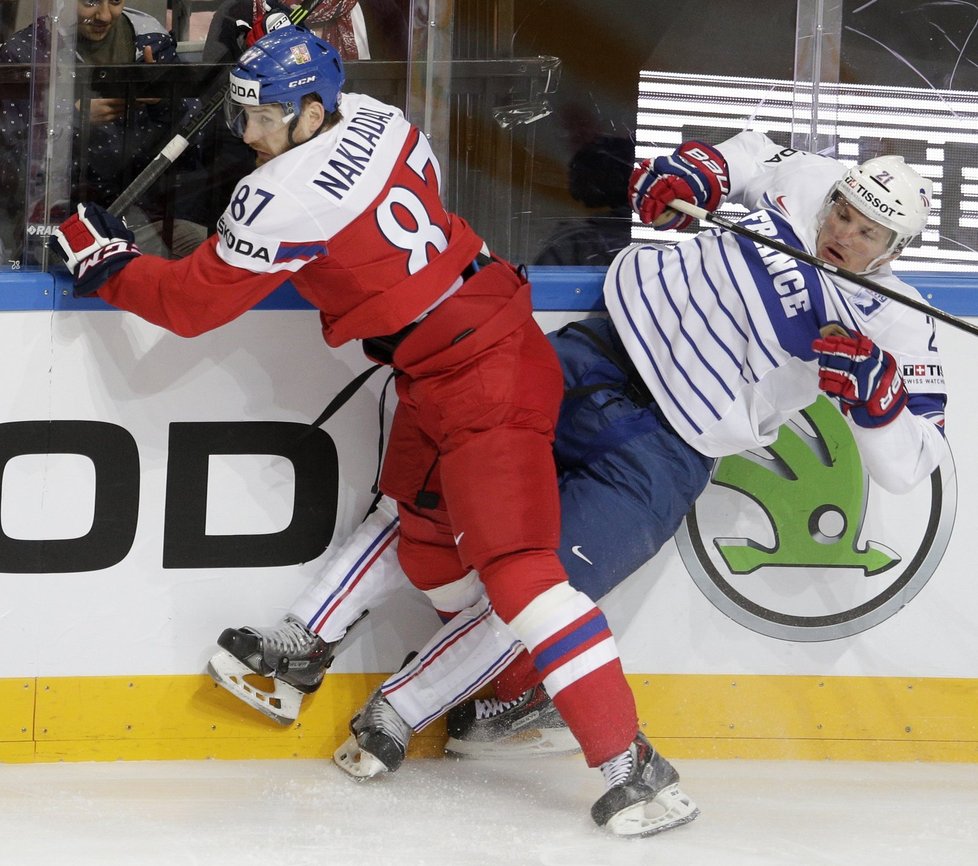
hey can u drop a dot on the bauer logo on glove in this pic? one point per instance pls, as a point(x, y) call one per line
point(695, 172)
point(94, 245)
point(864, 378)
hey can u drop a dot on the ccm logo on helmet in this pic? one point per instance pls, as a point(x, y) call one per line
point(308, 80)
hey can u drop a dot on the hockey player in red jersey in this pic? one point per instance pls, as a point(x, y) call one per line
point(344, 201)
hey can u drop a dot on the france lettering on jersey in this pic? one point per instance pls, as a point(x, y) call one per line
point(720, 327)
point(709, 333)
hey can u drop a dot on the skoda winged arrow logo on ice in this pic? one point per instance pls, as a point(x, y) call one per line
point(796, 542)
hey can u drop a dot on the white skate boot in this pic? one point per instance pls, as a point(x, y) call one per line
point(378, 740)
point(294, 657)
point(643, 796)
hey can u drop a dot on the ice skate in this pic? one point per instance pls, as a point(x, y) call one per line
point(294, 657)
point(643, 796)
point(491, 728)
point(377, 742)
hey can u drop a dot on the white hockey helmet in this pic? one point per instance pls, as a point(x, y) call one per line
point(889, 192)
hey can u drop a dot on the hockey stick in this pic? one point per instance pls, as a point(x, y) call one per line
point(822, 265)
point(179, 143)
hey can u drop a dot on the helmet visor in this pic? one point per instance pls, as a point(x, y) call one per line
point(264, 119)
point(854, 234)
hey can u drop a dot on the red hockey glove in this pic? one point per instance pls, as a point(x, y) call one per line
point(864, 378)
point(696, 173)
point(94, 245)
point(276, 16)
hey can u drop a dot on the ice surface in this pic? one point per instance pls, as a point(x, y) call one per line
point(294, 813)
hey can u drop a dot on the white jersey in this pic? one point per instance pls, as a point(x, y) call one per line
point(721, 328)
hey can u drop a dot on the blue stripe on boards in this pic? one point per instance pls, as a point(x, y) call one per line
point(563, 288)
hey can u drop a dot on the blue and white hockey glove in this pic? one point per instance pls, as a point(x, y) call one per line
point(695, 172)
point(94, 245)
point(865, 379)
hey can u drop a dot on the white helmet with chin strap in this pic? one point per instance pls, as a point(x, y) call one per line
point(889, 192)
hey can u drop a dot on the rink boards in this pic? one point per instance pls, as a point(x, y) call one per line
point(147, 503)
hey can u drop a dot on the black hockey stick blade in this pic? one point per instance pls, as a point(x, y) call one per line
point(179, 143)
point(737, 229)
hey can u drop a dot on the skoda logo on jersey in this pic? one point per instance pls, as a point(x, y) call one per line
point(797, 543)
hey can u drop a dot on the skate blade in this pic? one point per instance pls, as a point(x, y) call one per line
point(670, 808)
point(281, 705)
point(354, 761)
point(530, 743)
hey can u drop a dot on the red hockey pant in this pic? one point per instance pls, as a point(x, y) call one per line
point(479, 389)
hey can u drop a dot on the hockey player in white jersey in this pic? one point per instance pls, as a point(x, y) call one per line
point(730, 340)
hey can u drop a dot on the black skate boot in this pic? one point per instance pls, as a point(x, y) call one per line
point(643, 796)
point(491, 728)
point(295, 657)
point(378, 740)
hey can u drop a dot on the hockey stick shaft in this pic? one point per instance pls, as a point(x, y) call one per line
point(822, 265)
point(179, 143)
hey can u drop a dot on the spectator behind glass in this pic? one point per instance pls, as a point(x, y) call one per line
point(102, 33)
point(339, 22)
point(597, 177)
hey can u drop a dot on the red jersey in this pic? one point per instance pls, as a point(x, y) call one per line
point(353, 217)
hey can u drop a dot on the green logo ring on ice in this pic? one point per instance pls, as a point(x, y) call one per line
point(798, 544)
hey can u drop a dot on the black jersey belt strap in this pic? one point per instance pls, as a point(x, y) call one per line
point(382, 349)
point(346, 392)
point(477, 264)
point(635, 387)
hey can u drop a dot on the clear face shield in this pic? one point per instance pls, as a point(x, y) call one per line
point(866, 241)
point(264, 119)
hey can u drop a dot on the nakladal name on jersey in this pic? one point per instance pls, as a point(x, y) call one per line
point(352, 155)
